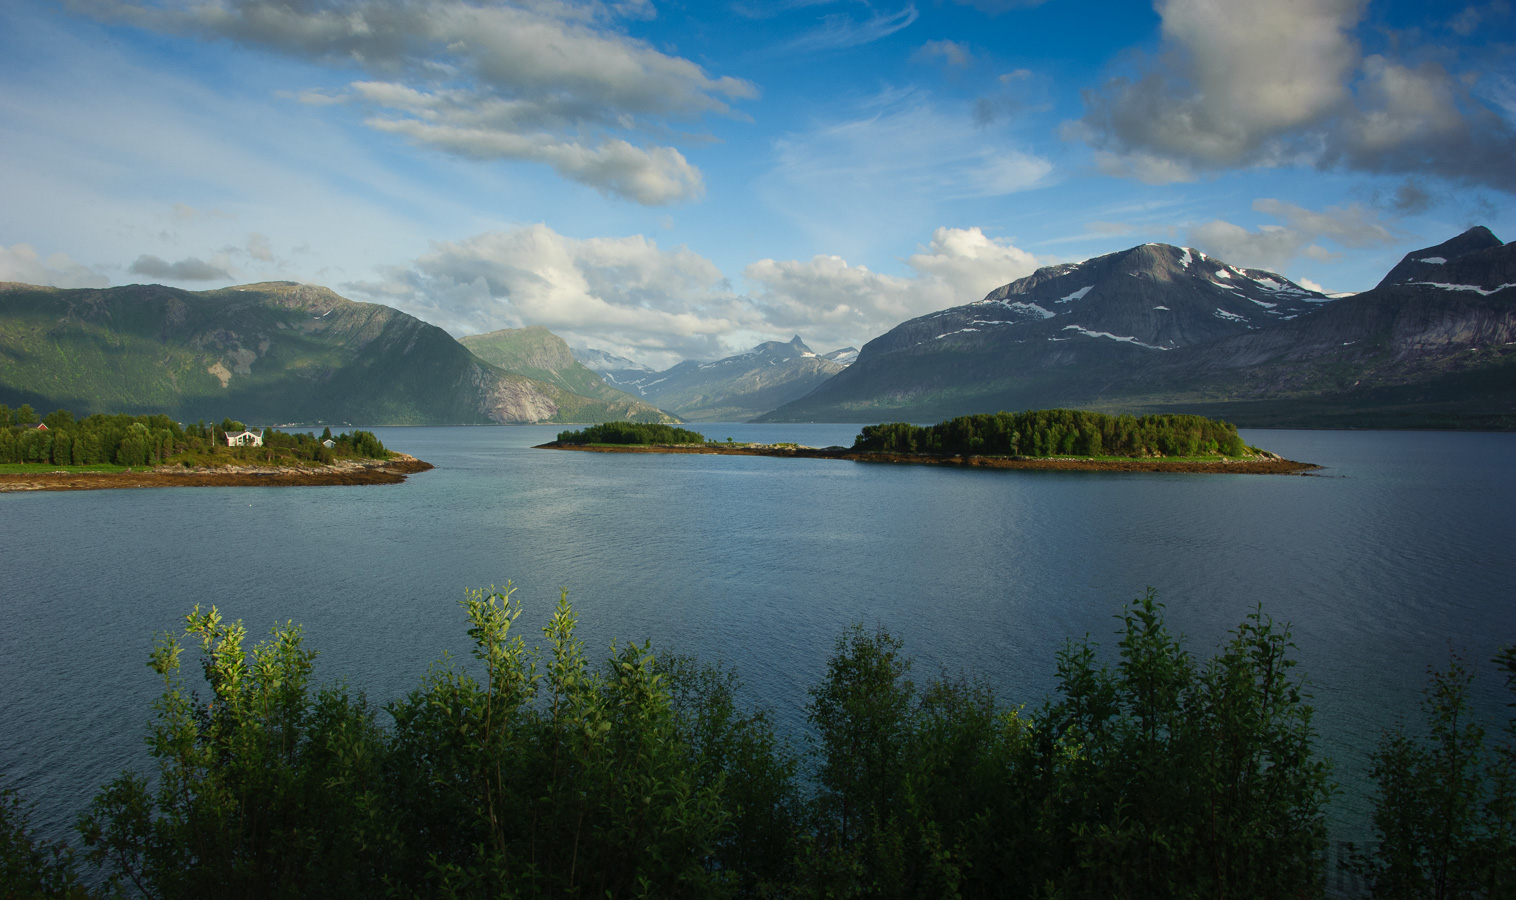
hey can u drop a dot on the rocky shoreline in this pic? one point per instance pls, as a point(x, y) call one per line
point(344, 472)
point(1264, 465)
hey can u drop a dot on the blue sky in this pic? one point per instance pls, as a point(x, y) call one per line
point(671, 180)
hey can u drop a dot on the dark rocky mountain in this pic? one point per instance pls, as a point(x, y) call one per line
point(270, 353)
point(1431, 264)
point(735, 388)
point(1161, 328)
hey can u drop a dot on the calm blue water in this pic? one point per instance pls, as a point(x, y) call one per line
point(1406, 549)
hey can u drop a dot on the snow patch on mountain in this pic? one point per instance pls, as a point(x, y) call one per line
point(1483, 292)
point(1106, 334)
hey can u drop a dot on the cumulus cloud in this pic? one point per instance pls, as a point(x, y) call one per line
point(834, 303)
point(625, 295)
point(21, 263)
point(1275, 246)
point(1239, 83)
point(549, 82)
point(189, 269)
point(631, 297)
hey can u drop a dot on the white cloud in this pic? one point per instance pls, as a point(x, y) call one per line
point(834, 304)
point(1241, 83)
point(548, 82)
point(633, 298)
point(625, 295)
point(21, 263)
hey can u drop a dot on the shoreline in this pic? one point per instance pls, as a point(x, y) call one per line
point(1249, 466)
point(347, 472)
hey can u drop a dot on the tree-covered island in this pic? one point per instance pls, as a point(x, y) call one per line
point(1040, 439)
point(59, 452)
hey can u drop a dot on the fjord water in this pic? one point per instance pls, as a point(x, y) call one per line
point(1404, 548)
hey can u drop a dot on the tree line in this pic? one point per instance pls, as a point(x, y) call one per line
point(126, 440)
point(1058, 432)
point(631, 433)
point(532, 771)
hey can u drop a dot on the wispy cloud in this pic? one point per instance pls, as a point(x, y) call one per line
point(865, 180)
point(547, 82)
point(839, 31)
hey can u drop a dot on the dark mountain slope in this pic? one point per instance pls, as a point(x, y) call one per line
point(1433, 346)
point(1063, 333)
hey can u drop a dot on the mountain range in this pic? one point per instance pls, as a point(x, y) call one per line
point(1154, 328)
point(1159, 328)
point(276, 352)
point(732, 389)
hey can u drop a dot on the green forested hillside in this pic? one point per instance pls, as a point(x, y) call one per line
point(276, 352)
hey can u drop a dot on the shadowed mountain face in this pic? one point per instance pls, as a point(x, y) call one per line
point(276, 352)
point(1160, 328)
point(732, 389)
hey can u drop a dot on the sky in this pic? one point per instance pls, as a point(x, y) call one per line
point(670, 180)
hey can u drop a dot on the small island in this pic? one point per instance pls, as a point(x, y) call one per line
point(1035, 439)
point(60, 453)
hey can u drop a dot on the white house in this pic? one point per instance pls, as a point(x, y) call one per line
point(245, 439)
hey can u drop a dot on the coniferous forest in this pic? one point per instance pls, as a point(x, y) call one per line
point(1054, 432)
point(631, 433)
point(124, 440)
point(533, 770)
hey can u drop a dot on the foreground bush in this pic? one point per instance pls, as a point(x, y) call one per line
point(530, 771)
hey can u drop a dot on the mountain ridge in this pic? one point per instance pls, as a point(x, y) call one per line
point(1181, 331)
point(734, 388)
